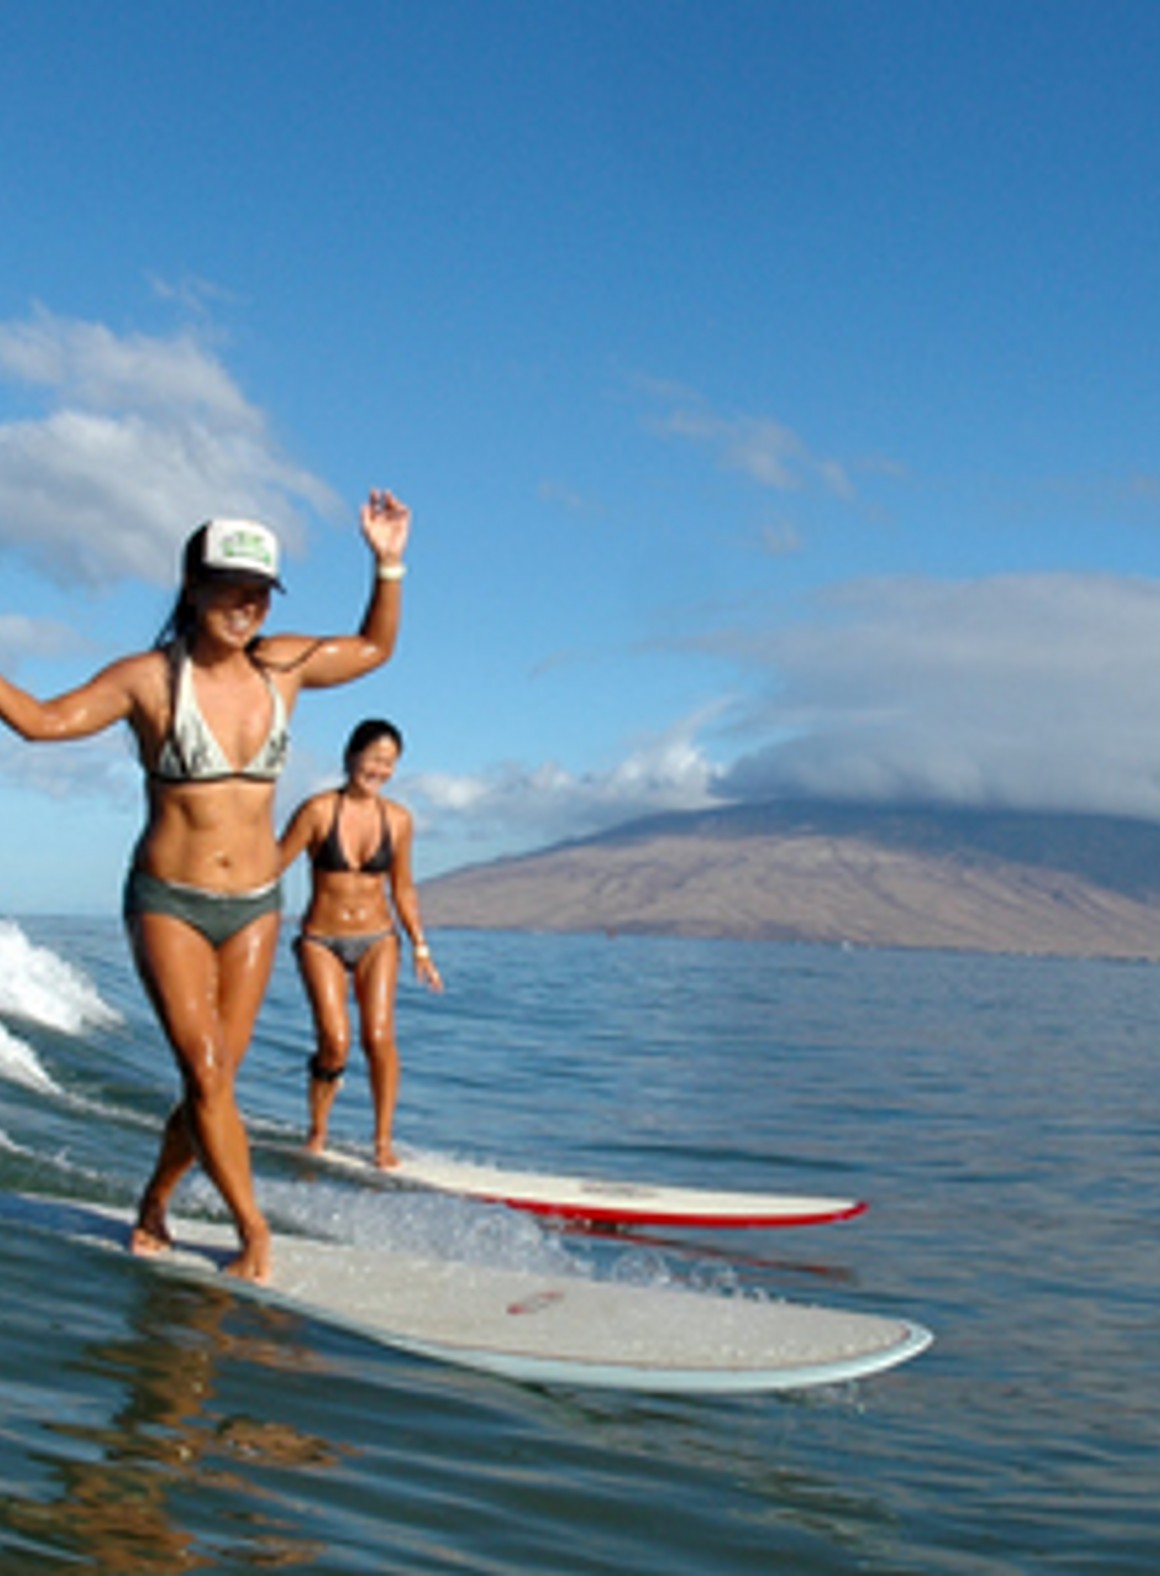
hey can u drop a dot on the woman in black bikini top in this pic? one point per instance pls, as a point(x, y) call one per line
point(359, 845)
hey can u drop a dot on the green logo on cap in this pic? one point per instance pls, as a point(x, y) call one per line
point(248, 545)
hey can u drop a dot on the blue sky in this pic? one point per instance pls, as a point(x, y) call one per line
point(774, 385)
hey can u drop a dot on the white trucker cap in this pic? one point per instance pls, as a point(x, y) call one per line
point(241, 547)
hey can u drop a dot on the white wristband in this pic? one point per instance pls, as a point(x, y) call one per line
point(422, 950)
point(391, 571)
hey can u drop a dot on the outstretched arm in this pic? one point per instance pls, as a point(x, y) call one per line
point(107, 698)
point(386, 523)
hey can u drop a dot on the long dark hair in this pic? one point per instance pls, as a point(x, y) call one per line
point(182, 620)
point(366, 733)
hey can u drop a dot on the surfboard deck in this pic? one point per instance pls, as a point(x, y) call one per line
point(598, 1202)
point(545, 1329)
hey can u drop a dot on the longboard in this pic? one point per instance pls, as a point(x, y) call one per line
point(599, 1202)
point(537, 1328)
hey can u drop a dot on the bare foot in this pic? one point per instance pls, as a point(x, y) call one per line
point(385, 1156)
point(315, 1144)
point(253, 1262)
point(150, 1235)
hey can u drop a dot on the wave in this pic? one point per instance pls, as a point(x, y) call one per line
point(19, 1064)
point(38, 986)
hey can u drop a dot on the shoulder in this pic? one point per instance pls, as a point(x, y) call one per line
point(399, 818)
point(307, 824)
point(318, 807)
point(138, 663)
point(142, 676)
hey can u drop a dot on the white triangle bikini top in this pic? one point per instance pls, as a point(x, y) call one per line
point(190, 753)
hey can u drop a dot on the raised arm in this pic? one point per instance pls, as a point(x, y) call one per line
point(386, 523)
point(110, 696)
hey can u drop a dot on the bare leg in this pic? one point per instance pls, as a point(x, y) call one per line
point(321, 1093)
point(326, 988)
point(207, 999)
point(376, 979)
point(177, 1154)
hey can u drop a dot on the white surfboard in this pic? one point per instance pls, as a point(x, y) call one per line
point(601, 1202)
point(542, 1329)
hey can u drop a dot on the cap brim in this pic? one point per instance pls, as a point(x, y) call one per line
point(241, 577)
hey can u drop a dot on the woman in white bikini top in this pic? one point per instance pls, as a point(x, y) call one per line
point(203, 895)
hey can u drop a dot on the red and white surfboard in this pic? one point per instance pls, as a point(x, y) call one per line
point(600, 1202)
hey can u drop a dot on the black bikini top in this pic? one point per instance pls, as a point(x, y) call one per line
point(331, 856)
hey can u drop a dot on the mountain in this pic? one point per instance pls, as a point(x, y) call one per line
point(878, 876)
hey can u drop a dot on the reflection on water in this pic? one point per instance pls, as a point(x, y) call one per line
point(118, 1486)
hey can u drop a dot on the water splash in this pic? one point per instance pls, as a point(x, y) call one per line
point(40, 987)
point(427, 1224)
point(20, 1065)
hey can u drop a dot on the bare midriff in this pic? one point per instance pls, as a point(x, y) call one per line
point(347, 903)
point(217, 836)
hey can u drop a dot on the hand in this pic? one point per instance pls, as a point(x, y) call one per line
point(386, 524)
point(426, 971)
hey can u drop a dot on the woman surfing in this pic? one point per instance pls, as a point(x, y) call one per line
point(362, 892)
point(209, 706)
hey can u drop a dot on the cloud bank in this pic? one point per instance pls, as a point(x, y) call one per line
point(1032, 692)
point(131, 441)
point(1026, 691)
point(511, 808)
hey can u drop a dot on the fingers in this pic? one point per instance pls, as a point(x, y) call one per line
point(428, 973)
point(382, 501)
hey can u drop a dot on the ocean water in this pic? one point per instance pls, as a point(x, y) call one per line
point(1001, 1115)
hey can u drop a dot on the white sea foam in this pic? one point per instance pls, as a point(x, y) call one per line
point(19, 1064)
point(40, 987)
point(428, 1225)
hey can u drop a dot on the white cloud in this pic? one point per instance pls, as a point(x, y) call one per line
point(1035, 692)
point(758, 447)
point(191, 293)
point(780, 538)
point(21, 636)
point(1028, 691)
point(103, 768)
point(143, 437)
point(519, 806)
point(568, 499)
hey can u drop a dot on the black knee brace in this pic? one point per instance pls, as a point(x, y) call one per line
point(321, 1072)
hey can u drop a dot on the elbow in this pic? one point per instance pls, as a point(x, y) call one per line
point(30, 731)
point(377, 652)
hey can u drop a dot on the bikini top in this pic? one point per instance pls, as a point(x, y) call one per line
point(331, 856)
point(190, 753)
